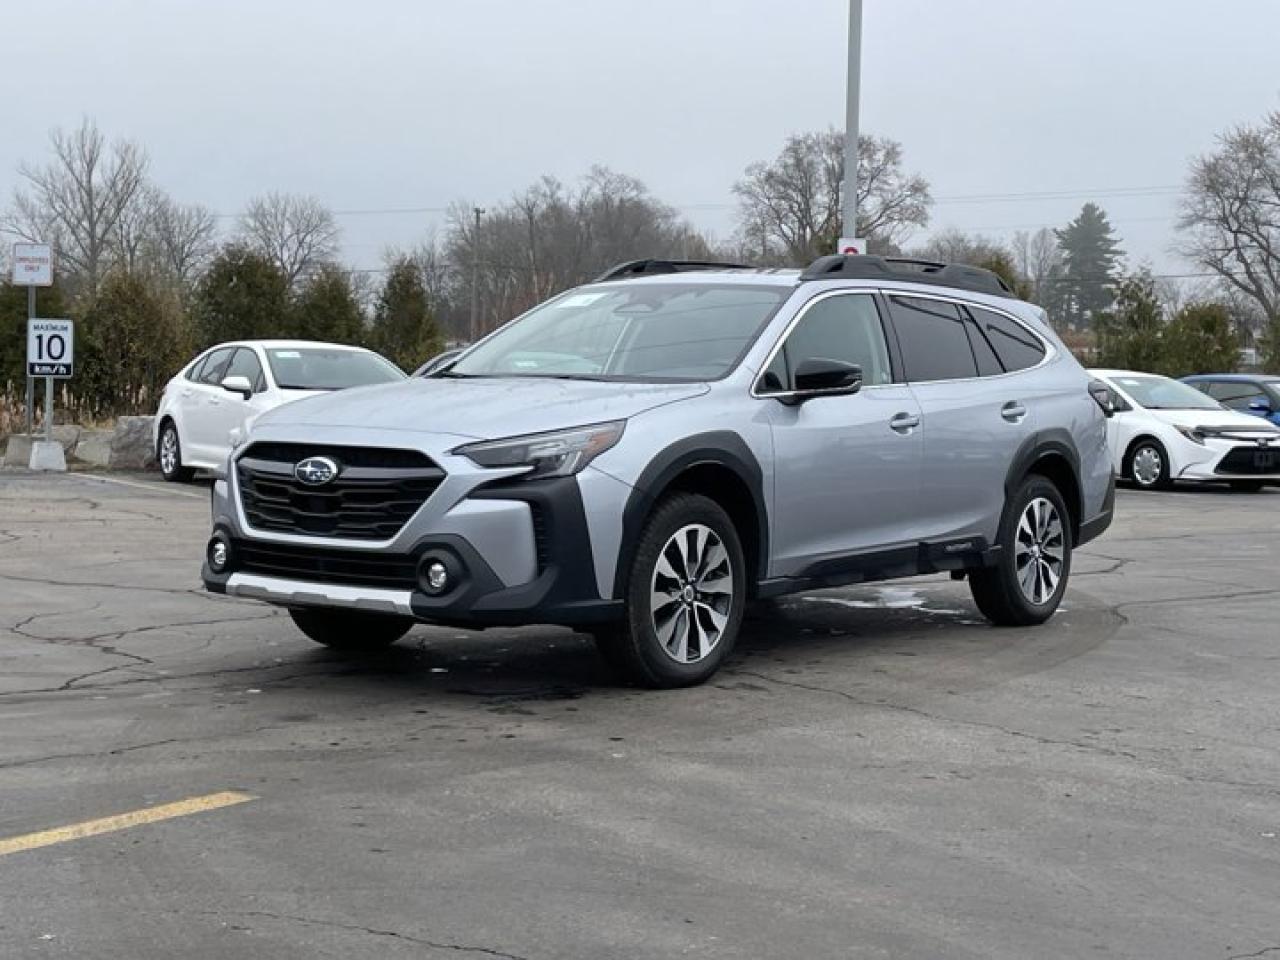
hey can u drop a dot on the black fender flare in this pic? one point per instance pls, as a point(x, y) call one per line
point(720, 447)
point(1054, 440)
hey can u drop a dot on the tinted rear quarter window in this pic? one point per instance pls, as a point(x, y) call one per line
point(211, 370)
point(1016, 346)
point(934, 343)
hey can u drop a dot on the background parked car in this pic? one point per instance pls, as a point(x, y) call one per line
point(229, 383)
point(1165, 430)
point(1257, 394)
point(436, 362)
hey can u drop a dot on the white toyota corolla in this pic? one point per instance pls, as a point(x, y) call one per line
point(234, 382)
point(1164, 430)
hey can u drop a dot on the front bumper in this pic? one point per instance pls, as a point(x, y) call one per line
point(1231, 460)
point(518, 552)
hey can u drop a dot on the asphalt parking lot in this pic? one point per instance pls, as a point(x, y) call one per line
point(877, 773)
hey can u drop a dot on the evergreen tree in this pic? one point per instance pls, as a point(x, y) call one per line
point(1090, 253)
point(131, 339)
point(404, 328)
point(50, 302)
point(326, 308)
point(1200, 339)
point(1129, 335)
point(242, 296)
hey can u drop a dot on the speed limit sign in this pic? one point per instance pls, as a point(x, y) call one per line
point(50, 348)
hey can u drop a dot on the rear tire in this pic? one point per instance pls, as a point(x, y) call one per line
point(1246, 486)
point(350, 630)
point(686, 591)
point(169, 455)
point(1147, 465)
point(1026, 585)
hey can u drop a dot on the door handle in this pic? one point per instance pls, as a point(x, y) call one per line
point(904, 422)
point(215, 401)
point(1013, 411)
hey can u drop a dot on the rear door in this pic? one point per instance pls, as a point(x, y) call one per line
point(976, 411)
point(846, 468)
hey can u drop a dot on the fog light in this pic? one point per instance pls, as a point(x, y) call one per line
point(437, 577)
point(219, 555)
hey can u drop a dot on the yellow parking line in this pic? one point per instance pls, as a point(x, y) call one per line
point(122, 821)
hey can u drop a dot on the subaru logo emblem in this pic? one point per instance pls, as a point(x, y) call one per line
point(315, 471)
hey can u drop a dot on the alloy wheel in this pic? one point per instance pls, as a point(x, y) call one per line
point(169, 450)
point(691, 593)
point(1039, 551)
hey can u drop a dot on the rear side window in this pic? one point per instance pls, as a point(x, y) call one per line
point(934, 343)
point(211, 371)
point(844, 328)
point(1016, 346)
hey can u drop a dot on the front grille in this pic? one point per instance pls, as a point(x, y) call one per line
point(375, 493)
point(354, 568)
point(1246, 460)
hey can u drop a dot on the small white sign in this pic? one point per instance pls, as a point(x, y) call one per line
point(33, 265)
point(852, 246)
point(51, 348)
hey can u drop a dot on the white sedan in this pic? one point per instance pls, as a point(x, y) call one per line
point(233, 382)
point(1164, 430)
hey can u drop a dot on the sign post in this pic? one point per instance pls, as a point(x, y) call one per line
point(50, 349)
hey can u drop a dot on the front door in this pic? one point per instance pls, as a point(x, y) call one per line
point(846, 468)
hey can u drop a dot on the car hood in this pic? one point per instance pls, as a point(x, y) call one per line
point(1213, 418)
point(483, 408)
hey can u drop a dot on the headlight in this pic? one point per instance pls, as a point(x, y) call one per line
point(1191, 433)
point(559, 454)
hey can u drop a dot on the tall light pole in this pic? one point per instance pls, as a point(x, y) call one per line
point(849, 213)
point(475, 276)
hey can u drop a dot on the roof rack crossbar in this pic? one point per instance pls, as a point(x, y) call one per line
point(649, 268)
point(865, 267)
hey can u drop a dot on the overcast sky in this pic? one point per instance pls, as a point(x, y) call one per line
point(418, 103)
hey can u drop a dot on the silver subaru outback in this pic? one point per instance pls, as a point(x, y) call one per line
point(642, 456)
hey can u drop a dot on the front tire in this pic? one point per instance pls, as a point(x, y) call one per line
point(350, 630)
point(169, 455)
point(686, 591)
point(1147, 465)
point(1026, 585)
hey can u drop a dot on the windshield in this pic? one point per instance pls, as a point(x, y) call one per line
point(317, 368)
point(676, 331)
point(1161, 393)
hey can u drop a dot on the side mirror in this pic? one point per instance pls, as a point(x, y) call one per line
point(240, 385)
point(818, 377)
point(1104, 398)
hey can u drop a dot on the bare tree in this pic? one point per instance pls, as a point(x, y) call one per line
point(790, 207)
point(182, 237)
point(78, 200)
point(1231, 213)
point(551, 237)
point(296, 233)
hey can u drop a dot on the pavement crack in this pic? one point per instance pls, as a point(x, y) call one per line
point(371, 931)
point(1260, 953)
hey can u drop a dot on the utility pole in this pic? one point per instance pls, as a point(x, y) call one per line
point(849, 213)
point(475, 276)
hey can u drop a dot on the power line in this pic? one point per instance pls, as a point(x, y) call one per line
point(1026, 196)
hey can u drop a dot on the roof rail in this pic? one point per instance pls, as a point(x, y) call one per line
point(649, 268)
point(904, 269)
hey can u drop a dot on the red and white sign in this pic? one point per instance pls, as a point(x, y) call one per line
point(32, 265)
point(852, 246)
